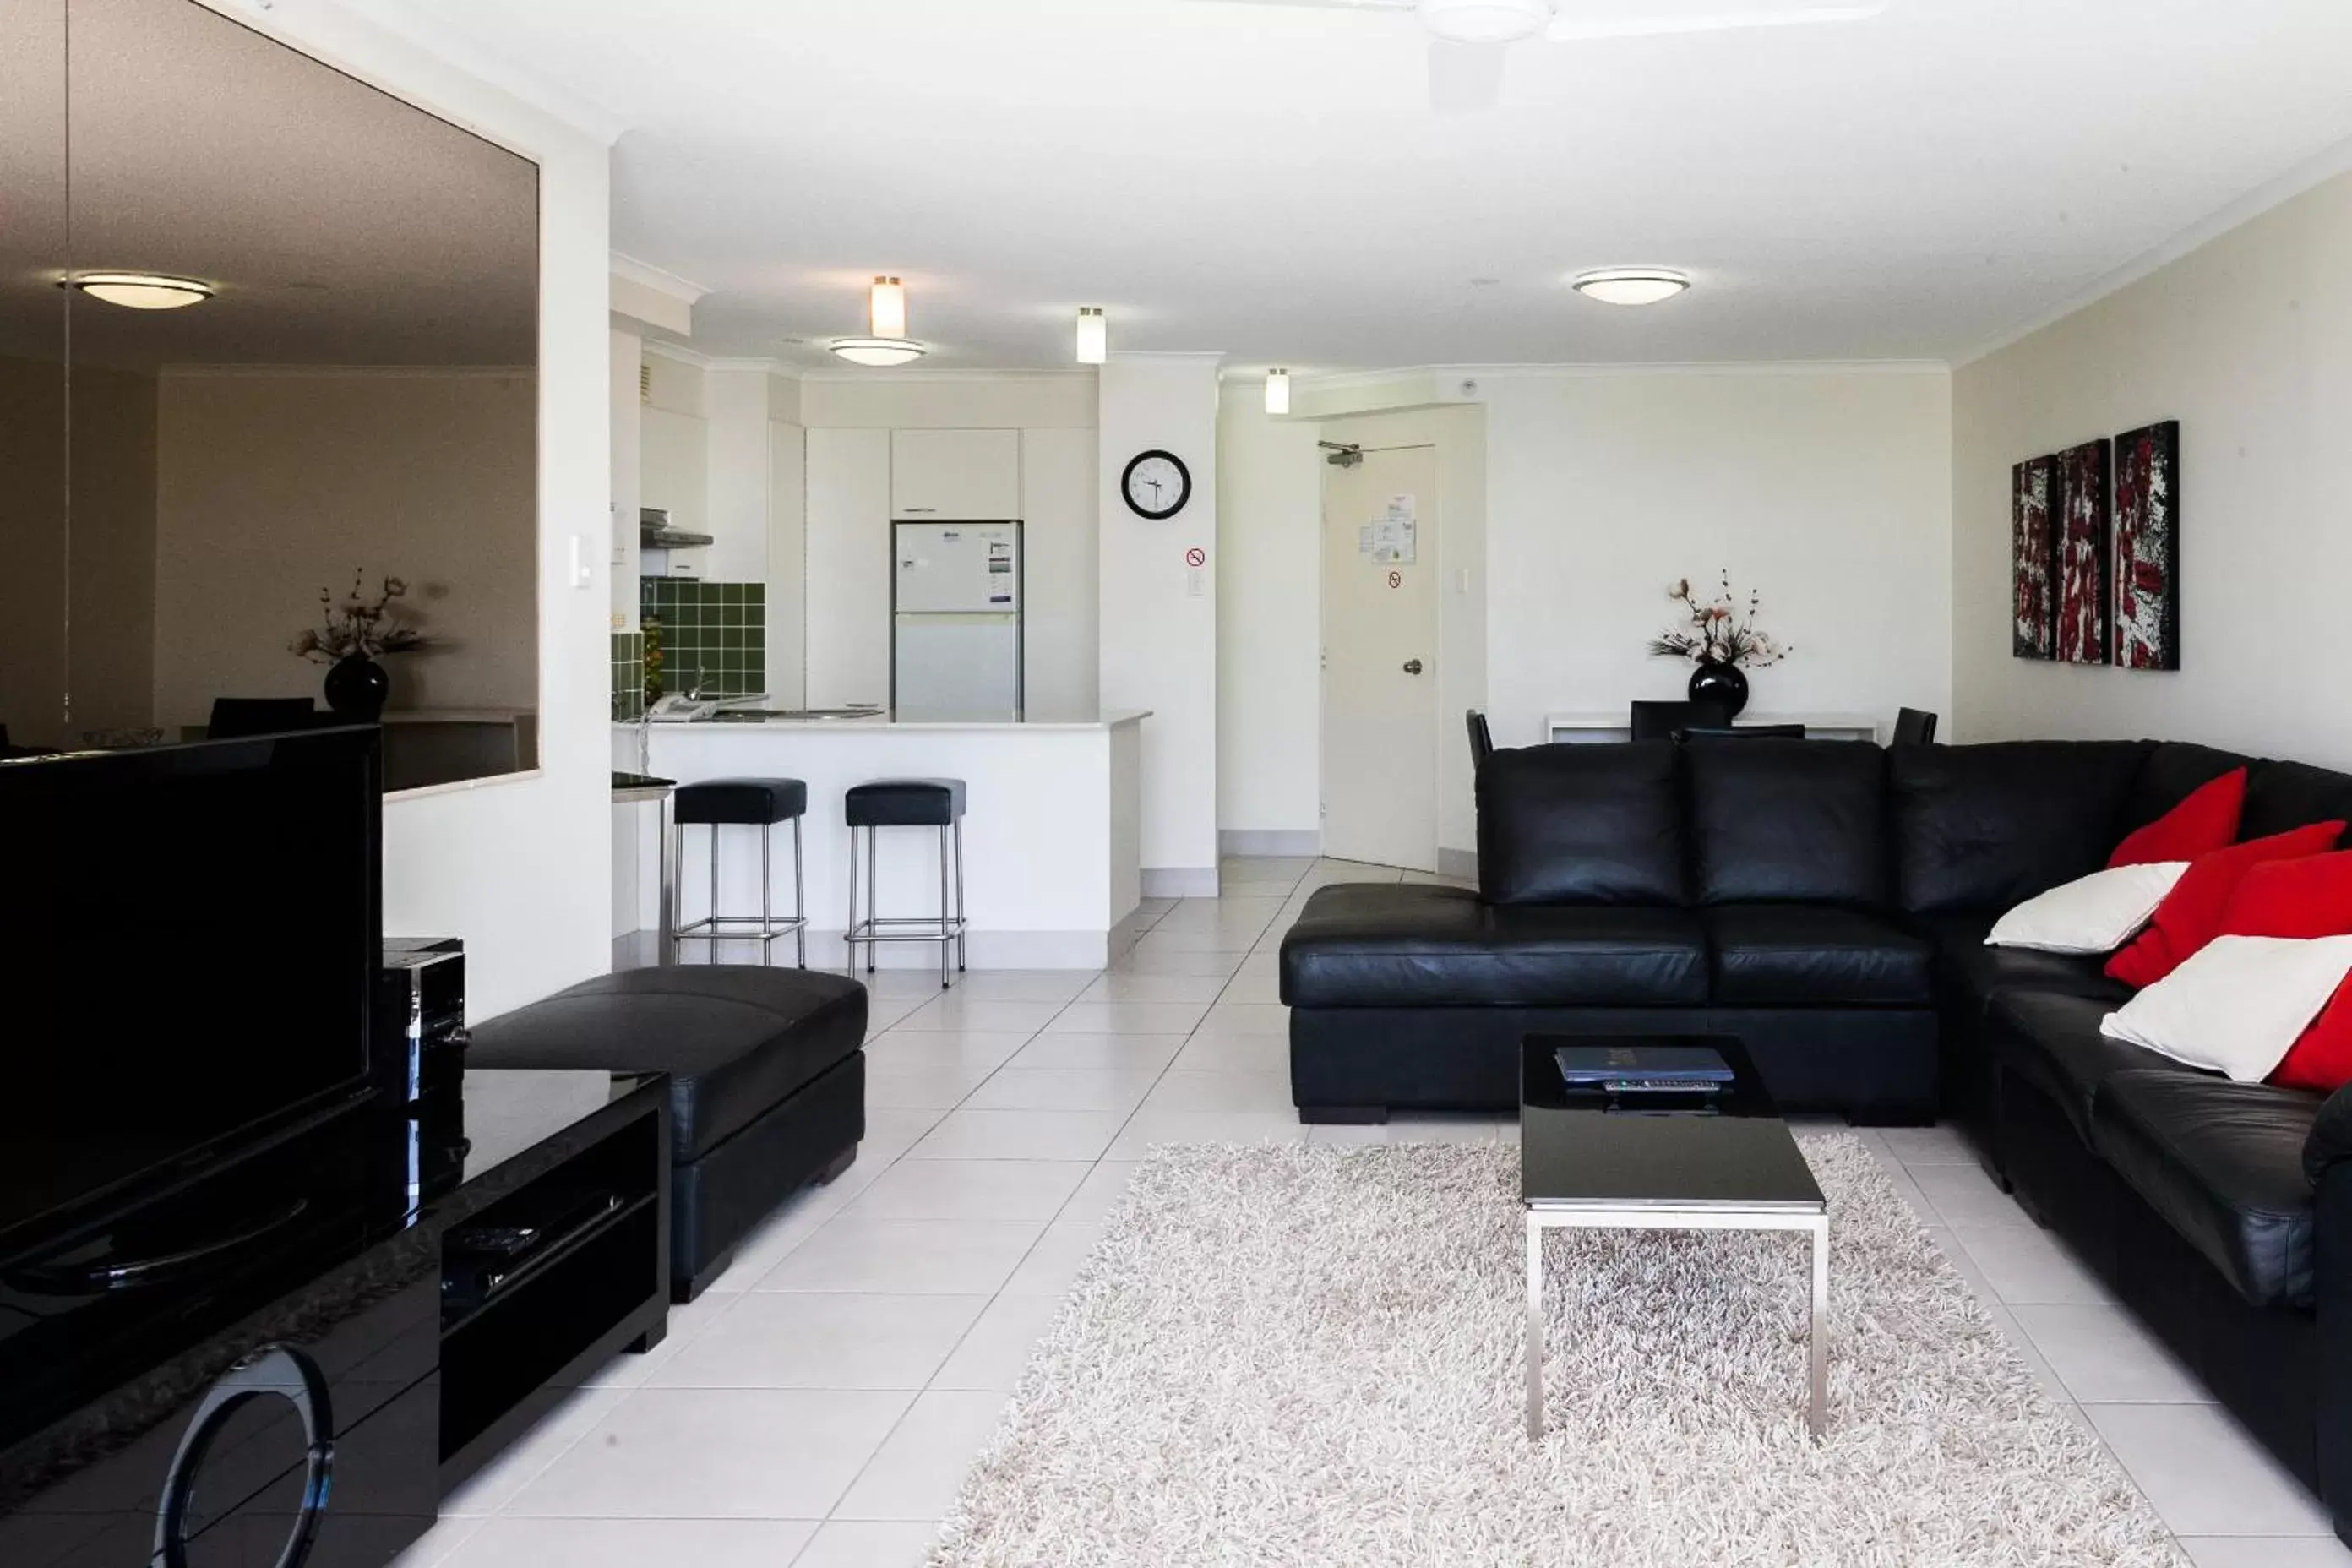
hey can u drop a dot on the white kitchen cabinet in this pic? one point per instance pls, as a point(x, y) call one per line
point(848, 532)
point(674, 469)
point(969, 476)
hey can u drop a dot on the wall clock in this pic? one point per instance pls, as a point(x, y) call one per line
point(1156, 485)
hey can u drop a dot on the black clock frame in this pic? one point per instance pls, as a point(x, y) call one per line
point(1183, 496)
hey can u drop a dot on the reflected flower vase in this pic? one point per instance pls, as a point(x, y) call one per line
point(357, 687)
point(1725, 684)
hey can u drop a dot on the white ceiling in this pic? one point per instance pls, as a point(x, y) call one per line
point(1268, 179)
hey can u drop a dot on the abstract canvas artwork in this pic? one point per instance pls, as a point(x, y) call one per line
point(2148, 548)
point(2033, 559)
point(2086, 544)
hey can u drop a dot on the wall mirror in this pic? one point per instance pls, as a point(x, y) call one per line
point(310, 394)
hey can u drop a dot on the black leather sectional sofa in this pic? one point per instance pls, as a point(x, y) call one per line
point(1828, 902)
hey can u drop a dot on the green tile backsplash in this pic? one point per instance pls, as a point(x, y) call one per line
point(713, 634)
point(628, 675)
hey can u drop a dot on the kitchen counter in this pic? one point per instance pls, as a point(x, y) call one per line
point(1052, 829)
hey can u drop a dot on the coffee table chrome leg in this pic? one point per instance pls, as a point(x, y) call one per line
point(1816, 1416)
point(1535, 1331)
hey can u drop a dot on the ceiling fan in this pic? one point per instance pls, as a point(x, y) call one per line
point(1469, 39)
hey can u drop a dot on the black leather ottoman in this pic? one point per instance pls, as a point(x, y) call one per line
point(767, 1084)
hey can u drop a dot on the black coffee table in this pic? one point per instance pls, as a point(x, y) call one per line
point(1588, 1163)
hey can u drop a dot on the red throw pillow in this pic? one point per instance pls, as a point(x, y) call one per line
point(2190, 915)
point(2303, 897)
point(2321, 1058)
point(2206, 821)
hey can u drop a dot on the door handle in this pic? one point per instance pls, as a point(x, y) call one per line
point(1412, 667)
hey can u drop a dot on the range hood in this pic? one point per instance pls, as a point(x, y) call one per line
point(654, 531)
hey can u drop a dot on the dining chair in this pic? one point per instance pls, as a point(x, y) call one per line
point(233, 717)
point(1659, 720)
point(1740, 732)
point(1482, 740)
point(1914, 728)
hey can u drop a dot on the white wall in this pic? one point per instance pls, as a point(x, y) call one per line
point(1826, 489)
point(518, 866)
point(787, 561)
point(626, 353)
point(273, 484)
point(1159, 637)
point(2247, 343)
point(1269, 584)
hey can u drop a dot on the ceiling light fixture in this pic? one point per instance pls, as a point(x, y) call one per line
point(886, 311)
point(880, 351)
point(1277, 391)
point(141, 290)
point(1094, 335)
point(886, 316)
point(1631, 285)
point(1485, 21)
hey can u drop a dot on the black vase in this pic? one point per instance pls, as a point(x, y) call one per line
point(357, 687)
point(1725, 684)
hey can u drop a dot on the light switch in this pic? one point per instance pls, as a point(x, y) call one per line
point(582, 574)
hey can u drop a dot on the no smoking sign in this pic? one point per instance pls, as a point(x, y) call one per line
point(1196, 556)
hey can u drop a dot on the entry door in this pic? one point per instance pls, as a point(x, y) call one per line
point(1379, 658)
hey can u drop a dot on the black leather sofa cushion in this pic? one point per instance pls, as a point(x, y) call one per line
point(735, 1039)
point(2222, 1163)
point(749, 801)
point(1815, 955)
point(1391, 945)
point(1581, 824)
point(1986, 827)
point(2174, 771)
point(1790, 820)
point(1972, 973)
point(2053, 1040)
point(2281, 795)
point(903, 802)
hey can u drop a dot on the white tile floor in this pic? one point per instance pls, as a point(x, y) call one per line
point(819, 1405)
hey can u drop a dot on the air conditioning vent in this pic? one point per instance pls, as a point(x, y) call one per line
point(645, 382)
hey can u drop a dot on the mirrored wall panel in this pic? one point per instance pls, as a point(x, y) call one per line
point(284, 327)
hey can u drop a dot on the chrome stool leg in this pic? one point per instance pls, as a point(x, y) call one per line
point(800, 898)
point(873, 906)
point(943, 907)
point(959, 891)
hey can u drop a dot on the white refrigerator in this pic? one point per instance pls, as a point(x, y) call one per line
point(956, 613)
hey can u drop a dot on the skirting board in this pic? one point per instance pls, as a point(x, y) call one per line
point(1179, 881)
point(985, 950)
point(1269, 841)
point(1460, 864)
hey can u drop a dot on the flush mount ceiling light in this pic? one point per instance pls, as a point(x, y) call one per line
point(1094, 335)
point(880, 351)
point(1485, 21)
point(886, 316)
point(1277, 391)
point(142, 290)
point(1631, 285)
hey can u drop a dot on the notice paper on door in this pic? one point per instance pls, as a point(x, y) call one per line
point(1391, 539)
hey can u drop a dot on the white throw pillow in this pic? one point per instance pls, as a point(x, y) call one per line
point(2237, 1005)
point(2097, 913)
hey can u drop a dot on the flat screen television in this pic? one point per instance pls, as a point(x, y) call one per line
point(188, 936)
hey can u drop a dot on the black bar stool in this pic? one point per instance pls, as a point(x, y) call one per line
point(742, 803)
point(907, 803)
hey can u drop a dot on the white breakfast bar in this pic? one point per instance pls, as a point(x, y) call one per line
point(1052, 830)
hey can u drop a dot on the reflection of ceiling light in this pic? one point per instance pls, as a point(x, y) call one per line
point(142, 290)
point(1631, 285)
point(1485, 21)
point(887, 308)
point(880, 351)
point(1277, 391)
point(1094, 335)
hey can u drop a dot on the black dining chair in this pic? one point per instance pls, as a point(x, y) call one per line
point(233, 717)
point(1482, 740)
point(1740, 732)
point(1659, 720)
point(1914, 728)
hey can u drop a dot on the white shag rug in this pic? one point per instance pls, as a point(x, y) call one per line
point(1311, 1356)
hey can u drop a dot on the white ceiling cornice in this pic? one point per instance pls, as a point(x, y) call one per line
point(566, 104)
point(833, 372)
point(2336, 160)
point(646, 275)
